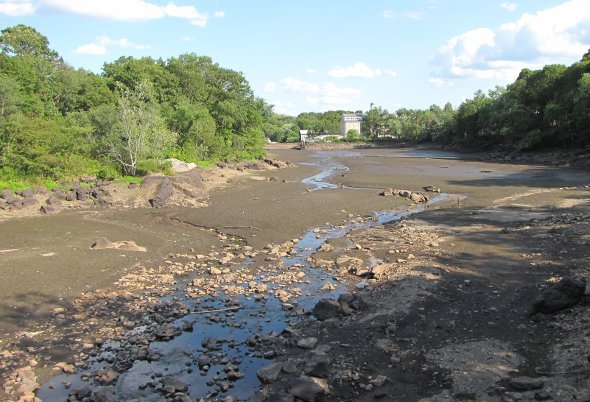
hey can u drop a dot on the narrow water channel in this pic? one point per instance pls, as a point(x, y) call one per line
point(230, 326)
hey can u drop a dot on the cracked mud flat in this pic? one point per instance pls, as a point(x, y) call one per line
point(450, 283)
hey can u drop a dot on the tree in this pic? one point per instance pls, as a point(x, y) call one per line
point(140, 135)
point(22, 40)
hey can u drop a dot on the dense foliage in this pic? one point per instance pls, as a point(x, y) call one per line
point(546, 108)
point(58, 122)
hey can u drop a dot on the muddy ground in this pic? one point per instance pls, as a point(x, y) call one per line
point(447, 292)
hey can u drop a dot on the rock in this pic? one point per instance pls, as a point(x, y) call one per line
point(102, 243)
point(317, 365)
point(431, 189)
point(419, 197)
point(47, 209)
point(326, 309)
point(71, 196)
point(353, 301)
point(307, 343)
point(102, 202)
point(166, 331)
point(28, 193)
point(526, 383)
point(305, 389)
point(387, 192)
point(379, 381)
point(133, 185)
point(83, 392)
point(565, 293)
point(7, 194)
point(81, 194)
point(163, 193)
point(270, 373)
point(105, 394)
point(273, 179)
point(174, 384)
point(106, 376)
point(28, 202)
point(178, 166)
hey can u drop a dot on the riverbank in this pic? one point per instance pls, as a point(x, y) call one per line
point(238, 223)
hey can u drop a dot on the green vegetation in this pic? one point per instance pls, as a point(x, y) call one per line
point(59, 123)
point(546, 108)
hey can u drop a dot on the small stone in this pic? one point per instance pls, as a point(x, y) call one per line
point(307, 343)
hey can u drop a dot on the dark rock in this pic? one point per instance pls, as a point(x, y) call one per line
point(27, 202)
point(326, 309)
point(47, 209)
point(102, 202)
point(431, 189)
point(54, 200)
point(6, 194)
point(174, 384)
point(387, 192)
point(163, 193)
point(105, 394)
point(3, 204)
point(307, 343)
point(355, 302)
point(273, 179)
point(317, 365)
point(526, 383)
point(166, 331)
point(305, 389)
point(71, 196)
point(59, 193)
point(565, 293)
point(83, 392)
point(269, 374)
point(28, 193)
point(81, 194)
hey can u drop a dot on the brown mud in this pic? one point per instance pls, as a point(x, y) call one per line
point(447, 299)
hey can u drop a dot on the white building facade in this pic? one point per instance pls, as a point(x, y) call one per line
point(350, 121)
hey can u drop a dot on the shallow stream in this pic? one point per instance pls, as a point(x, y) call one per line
point(235, 320)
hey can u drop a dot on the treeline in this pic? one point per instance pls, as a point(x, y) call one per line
point(58, 122)
point(281, 128)
point(546, 108)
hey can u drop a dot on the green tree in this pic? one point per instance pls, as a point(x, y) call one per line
point(141, 134)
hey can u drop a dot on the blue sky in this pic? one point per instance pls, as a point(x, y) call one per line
point(318, 55)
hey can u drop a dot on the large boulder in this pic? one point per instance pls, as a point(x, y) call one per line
point(163, 193)
point(306, 389)
point(565, 293)
point(326, 309)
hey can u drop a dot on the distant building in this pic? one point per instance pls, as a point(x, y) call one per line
point(350, 121)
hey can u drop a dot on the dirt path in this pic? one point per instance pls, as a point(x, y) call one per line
point(454, 285)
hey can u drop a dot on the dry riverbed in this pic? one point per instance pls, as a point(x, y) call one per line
point(246, 279)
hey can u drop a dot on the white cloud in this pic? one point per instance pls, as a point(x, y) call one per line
point(391, 73)
point(102, 43)
point(288, 108)
point(509, 6)
point(16, 8)
point(270, 87)
point(219, 14)
point(358, 70)
point(311, 71)
point(440, 82)
point(92, 49)
point(127, 10)
point(388, 14)
point(326, 96)
point(298, 86)
point(120, 10)
point(556, 35)
point(187, 12)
